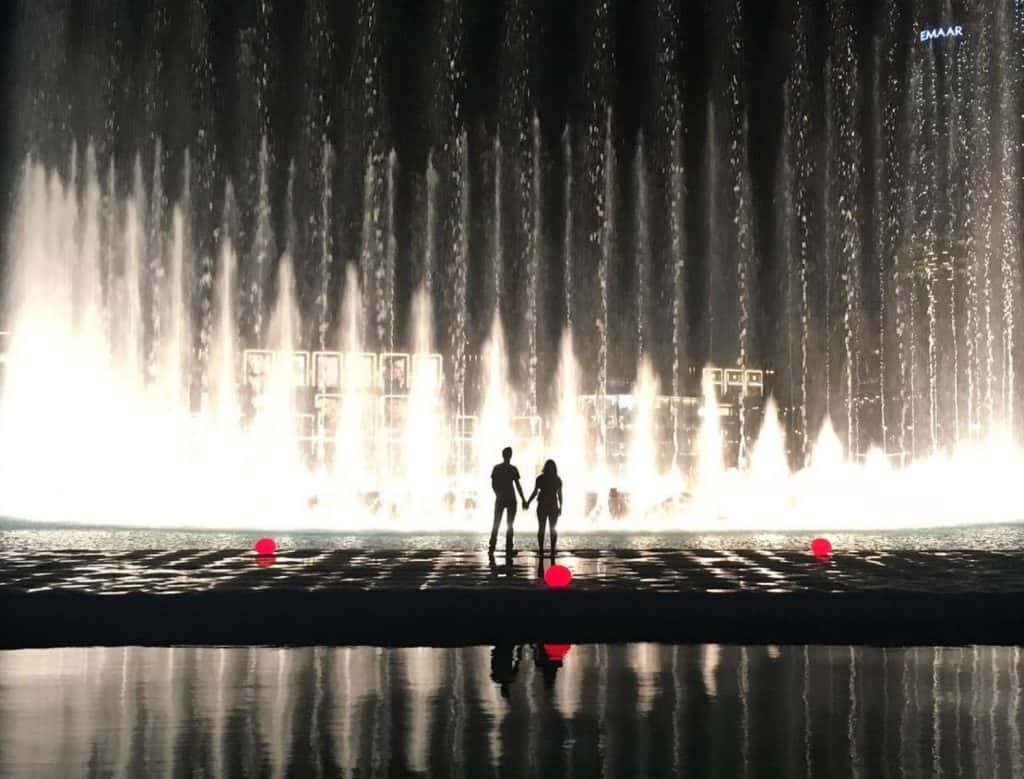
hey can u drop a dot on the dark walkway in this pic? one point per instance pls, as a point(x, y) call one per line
point(446, 598)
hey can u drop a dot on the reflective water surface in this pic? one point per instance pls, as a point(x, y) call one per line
point(515, 710)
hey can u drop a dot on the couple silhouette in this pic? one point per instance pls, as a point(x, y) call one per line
point(547, 490)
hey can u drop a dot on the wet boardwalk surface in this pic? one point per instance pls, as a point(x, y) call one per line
point(450, 597)
point(661, 571)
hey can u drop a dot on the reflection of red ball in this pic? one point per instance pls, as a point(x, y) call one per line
point(265, 560)
point(557, 577)
point(265, 546)
point(557, 652)
point(821, 547)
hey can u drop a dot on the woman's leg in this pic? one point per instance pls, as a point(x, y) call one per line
point(554, 535)
point(541, 521)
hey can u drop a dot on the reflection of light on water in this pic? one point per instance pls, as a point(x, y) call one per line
point(423, 679)
point(240, 711)
point(645, 661)
point(711, 655)
point(569, 689)
point(95, 425)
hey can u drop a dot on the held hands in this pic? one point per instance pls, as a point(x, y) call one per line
point(526, 505)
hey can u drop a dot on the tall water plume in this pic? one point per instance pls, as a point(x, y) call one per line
point(710, 465)
point(323, 239)
point(386, 289)
point(459, 270)
point(739, 174)
point(371, 253)
point(132, 332)
point(426, 448)
point(568, 433)
point(642, 246)
point(203, 153)
point(448, 68)
point(982, 239)
point(494, 431)
point(680, 356)
point(926, 137)
point(518, 127)
point(568, 227)
point(176, 336)
point(222, 400)
point(274, 415)
point(154, 271)
point(827, 242)
point(263, 249)
point(887, 175)
point(315, 152)
point(1008, 177)
point(795, 181)
point(768, 460)
point(642, 458)
point(953, 181)
point(599, 157)
point(846, 208)
point(901, 160)
point(110, 231)
point(713, 234)
point(667, 148)
point(350, 434)
point(496, 255)
point(534, 211)
point(90, 275)
point(606, 231)
point(368, 124)
point(428, 267)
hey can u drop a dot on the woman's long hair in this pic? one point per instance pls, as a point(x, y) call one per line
point(550, 469)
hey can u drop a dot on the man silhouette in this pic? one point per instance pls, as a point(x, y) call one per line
point(505, 483)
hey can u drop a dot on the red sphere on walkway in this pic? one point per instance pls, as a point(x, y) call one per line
point(265, 546)
point(821, 547)
point(557, 577)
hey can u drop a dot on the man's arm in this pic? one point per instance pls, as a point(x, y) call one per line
point(519, 487)
point(529, 500)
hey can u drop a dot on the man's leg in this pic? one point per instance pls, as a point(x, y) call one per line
point(498, 506)
point(511, 508)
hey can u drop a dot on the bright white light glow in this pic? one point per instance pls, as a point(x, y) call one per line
point(89, 434)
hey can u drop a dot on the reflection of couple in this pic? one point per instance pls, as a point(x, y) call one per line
point(505, 660)
point(547, 489)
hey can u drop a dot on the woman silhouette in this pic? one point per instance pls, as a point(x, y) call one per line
point(548, 491)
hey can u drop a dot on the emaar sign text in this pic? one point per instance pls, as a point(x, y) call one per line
point(942, 32)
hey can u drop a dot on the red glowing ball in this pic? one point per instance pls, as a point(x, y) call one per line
point(557, 577)
point(265, 546)
point(821, 547)
point(557, 652)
